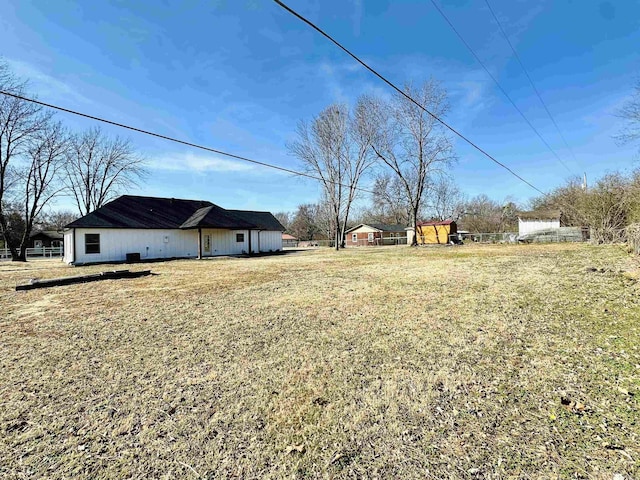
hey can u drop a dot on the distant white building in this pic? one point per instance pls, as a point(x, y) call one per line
point(530, 222)
point(145, 228)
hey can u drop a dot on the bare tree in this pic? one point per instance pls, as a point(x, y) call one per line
point(335, 147)
point(630, 111)
point(303, 226)
point(99, 168)
point(609, 206)
point(39, 177)
point(325, 220)
point(569, 198)
point(444, 200)
point(24, 174)
point(284, 218)
point(57, 220)
point(388, 201)
point(482, 214)
point(411, 142)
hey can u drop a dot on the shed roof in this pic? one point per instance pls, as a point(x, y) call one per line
point(130, 211)
point(540, 215)
point(436, 223)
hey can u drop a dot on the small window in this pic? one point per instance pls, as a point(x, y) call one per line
point(239, 237)
point(91, 243)
point(354, 237)
point(371, 237)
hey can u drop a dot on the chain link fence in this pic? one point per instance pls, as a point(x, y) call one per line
point(629, 235)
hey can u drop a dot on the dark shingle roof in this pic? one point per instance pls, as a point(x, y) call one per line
point(130, 211)
point(262, 220)
point(52, 234)
point(214, 216)
point(387, 228)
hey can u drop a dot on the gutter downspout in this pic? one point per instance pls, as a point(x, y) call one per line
point(199, 244)
point(73, 257)
point(250, 241)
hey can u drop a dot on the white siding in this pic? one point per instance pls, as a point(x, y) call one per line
point(116, 243)
point(255, 238)
point(410, 234)
point(528, 226)
point(68, 247)
point(152, 244)
point(223, 242)
point(270, 241)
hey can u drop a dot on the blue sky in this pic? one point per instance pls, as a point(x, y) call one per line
point(238, 75)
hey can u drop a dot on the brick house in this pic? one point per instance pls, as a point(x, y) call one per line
point(375, 234)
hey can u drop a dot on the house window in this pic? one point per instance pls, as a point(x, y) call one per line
point(239, 237)
point(371, 237)
point(91, 243)
point(354, 237)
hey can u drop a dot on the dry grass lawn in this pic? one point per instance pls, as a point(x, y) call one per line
point(467, 362)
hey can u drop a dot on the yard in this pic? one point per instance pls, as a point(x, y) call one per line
point(466, 362)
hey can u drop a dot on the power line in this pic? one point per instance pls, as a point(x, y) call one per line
point(405, 95)
point(499, 86)
point(182, 142)
point(515, 54)
point(412, 100)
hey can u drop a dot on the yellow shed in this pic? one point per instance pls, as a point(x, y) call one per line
point(436, 232)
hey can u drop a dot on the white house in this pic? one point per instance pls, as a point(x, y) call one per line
point(529, 222)
point(156, 228)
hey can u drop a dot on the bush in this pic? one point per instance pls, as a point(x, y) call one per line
point(633, 237)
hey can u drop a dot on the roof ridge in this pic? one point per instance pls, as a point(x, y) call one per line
point(162, 198)
point(251, 211)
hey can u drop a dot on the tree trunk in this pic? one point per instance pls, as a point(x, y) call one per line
point(414, 242)
point(15, 255)
point(18, 255)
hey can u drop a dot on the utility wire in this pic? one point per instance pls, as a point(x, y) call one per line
point(182, 142)
point(415, 102)
point(517, 57)
point(405, 95)
point(504, 92)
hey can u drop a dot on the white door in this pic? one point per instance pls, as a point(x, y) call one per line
point(206, 241)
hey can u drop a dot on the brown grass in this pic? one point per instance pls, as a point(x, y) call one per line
point(466, 362)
